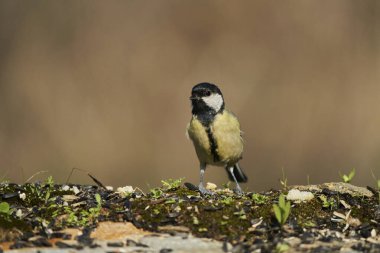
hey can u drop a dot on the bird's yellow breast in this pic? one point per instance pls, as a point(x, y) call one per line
point(225, 131)
point(197, 133)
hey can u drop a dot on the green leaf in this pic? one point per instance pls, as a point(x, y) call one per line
point(352, 174)
point(98, 199)
point(170, 201)
point(259, 199)
point(277, 213)
point(172, 183)
point(156, 193)
point(49, 181)
point(286, 211)
point(282, 247)
point(282, 210)
point(4, 207)
point(47, 196)
point(281, 201)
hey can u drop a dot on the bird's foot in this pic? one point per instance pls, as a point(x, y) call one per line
point(204, 191)
point(238, 190)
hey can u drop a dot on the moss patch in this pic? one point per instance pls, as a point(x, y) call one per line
point(42, 207)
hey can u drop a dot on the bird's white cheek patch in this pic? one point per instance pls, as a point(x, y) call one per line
point(214, 101)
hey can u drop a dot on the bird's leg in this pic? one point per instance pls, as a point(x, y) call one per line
point(201, 187)
point(237, 189)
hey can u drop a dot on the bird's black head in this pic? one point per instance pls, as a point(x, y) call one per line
point(206, 100)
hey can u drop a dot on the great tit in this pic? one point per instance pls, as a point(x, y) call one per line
point(215, 133)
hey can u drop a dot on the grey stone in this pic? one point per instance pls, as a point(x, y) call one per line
point(339, 187)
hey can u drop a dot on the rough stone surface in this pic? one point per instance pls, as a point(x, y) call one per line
point(339, 187)
point(155, 243)
point(117, 231)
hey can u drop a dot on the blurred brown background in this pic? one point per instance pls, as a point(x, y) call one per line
point(104, 86)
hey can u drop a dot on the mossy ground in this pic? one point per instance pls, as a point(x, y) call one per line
point(227, 216)
point(48, 207)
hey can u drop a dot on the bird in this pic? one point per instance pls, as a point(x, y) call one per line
point(215, 133)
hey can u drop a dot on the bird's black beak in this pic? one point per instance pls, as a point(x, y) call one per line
point(194, 97)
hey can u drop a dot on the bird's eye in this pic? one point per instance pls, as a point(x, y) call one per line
point(207, 93)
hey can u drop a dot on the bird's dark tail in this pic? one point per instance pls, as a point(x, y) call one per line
point(238, 173)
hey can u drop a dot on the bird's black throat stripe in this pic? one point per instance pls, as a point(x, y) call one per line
point(206, 119)
point(213, 145)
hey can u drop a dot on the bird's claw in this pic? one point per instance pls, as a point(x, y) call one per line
point(238, 190)
point(204, 191)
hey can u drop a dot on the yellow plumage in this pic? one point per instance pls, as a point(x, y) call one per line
point(225, 129)
point(198, 135)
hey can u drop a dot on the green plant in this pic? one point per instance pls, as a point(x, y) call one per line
point(72, 219)
point(259, 199)
point(282, 210)
point(49, 181)
point(49, 185)
point(241, 214)
point(348, 178)
point(90, 215)
point(226, 185)
point(327, 202)
point(38, 192)
point(227, 201)
point(95, 211)
point(156, 193)
point(282, 247)
point(308, 224)
point(171, 184)
point(5, 208)
point(170, 201)
point(5, 211)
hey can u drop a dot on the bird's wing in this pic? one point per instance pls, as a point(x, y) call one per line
point(241, 132)
point(187, 131)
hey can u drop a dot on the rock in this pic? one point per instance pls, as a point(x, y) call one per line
point(297, 195)
point(339, 187)
point(211, 186)
point(117, 231)
point(178, 244)
point(171, 228)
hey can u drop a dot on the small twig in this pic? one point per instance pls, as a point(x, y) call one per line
point(137, 188)
point(35, 174)
point(88, 173)
point(72, 171)
point(97, 181)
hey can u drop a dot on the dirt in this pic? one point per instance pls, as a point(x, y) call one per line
point(337, 216)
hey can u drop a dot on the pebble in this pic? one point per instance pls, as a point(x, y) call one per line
point(64, 245)
point(132, 243)
point(297, 195)
point(115, 244)
point(41, 242)
point(20, 245)
point(165, 250)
